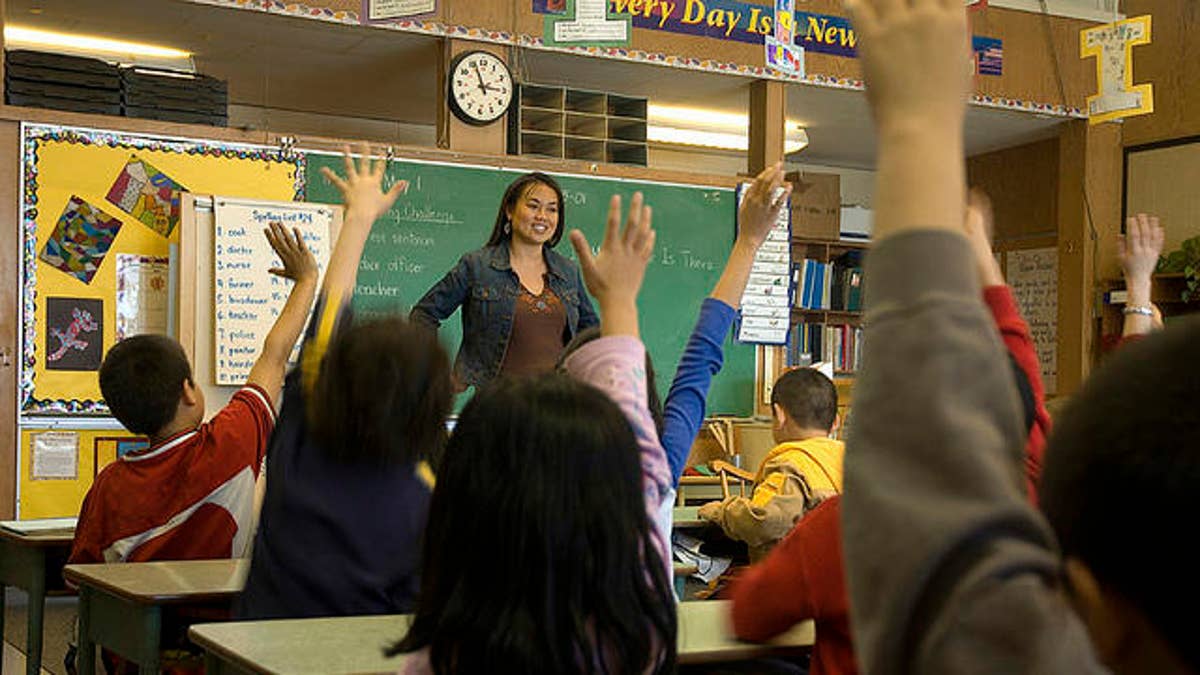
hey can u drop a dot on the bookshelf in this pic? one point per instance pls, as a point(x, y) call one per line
point(826, 322)
point(592, 126)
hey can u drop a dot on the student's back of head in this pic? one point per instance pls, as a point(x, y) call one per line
point(1121, 487)
point(538, 554)
point(142, 380)
point(382, 394)
point(807, 398)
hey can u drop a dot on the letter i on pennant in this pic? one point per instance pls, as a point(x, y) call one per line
point(1112, 46)
point(587, 23)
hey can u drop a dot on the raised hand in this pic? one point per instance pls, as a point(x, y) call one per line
point(916, 59)
point(760, 207)
point(362, 188)
point(1139, 249)
point(614, 276)
point(298, 261)
point(979, 228)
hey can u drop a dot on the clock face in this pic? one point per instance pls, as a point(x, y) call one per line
point(481, 87)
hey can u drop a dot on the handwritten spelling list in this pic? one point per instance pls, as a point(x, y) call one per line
point(766, 302)
point(246, 297)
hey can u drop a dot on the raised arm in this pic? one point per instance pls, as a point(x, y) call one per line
point(684, 409)
point(1138, 252)
point(362, 191)
point(616, 362)
point(949, 568)
point(300, 267)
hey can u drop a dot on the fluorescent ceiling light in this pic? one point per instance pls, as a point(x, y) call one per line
point(682, 125)
point(138, 53)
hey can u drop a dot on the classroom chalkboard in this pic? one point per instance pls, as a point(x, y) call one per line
point(449, 210)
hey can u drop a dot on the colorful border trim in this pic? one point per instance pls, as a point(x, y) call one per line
point(34, 134)
point(616, 53)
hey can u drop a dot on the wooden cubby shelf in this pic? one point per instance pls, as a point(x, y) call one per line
point(590, 125)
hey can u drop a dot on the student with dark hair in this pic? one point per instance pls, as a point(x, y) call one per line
point(521, 301)
point(346, 503)
point(191, 493)
point(555, 481)
point(801, 471)
point(803, 576)
point(949, 568)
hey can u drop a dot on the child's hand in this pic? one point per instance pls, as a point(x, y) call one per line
point(760, 207)
point(362, 189)
point(979, 227)
point(298, 261)
point(1140, 249)
point(614, 276)
point(916, 61)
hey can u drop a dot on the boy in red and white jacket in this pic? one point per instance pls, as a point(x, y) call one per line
point(190, 495)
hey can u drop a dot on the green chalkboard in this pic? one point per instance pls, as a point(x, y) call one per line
point(449, 210)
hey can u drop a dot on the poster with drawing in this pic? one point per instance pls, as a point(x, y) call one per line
point(80, 239)
point(149, 195)
point(74, 333)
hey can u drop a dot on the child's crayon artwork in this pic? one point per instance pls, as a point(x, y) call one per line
point(81, 239)
point(149, 195)
point(74, 334)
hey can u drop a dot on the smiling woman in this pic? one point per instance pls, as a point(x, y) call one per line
point(522, 301)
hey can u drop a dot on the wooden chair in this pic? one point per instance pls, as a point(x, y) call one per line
point(725, 471)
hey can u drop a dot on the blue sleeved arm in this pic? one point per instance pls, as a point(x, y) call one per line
point(446, 295)
point(702, 358)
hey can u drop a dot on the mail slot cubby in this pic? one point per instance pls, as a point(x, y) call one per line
point(550, 121)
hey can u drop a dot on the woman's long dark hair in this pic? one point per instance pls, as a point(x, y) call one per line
point(538, 554)
point(516, 190)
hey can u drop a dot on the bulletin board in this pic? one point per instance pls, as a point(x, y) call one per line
point(94, 201)
point(54, 479)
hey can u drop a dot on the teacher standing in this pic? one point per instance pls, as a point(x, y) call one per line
point(522, 301)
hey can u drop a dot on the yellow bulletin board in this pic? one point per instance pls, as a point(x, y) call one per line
point(99, 195)
point(45, 487)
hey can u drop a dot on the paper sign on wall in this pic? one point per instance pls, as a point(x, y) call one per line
point(1033, 276)
point(1112, 46)
point(587, 22)
point(782, 54)
point(386, 10)
point(246, 297)
point(55, 456)
point(142, 295)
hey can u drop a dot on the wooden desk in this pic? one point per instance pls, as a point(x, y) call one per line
point(121, 604)
point(25, 562)
point(348, 645)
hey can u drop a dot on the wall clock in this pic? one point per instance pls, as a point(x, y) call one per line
point(480, 88)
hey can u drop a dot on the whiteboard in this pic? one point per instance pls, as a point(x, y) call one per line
point(1033, 276)
point(1162, 181)
point(247, 298)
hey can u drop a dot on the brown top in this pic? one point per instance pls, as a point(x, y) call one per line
point(539, 323)
point(164, 582)
point(353, 644)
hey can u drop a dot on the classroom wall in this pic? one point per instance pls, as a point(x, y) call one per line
point(1023, 185)
point(1172, 63)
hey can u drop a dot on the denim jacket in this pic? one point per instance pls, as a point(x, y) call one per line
point(486, 286)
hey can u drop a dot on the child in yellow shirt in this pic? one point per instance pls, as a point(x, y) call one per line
point(802, 470)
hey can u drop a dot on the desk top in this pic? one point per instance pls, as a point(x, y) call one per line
point(50, 532)
point(339, 646)
point(687, 516)
point(164, 582)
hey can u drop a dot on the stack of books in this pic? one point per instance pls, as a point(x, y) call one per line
point(835, 285)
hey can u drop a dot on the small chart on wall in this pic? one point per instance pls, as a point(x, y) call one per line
point(449, 210)
point(100, 212)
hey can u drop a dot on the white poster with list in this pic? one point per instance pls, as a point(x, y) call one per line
point(247, 298)
point(766, 303)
